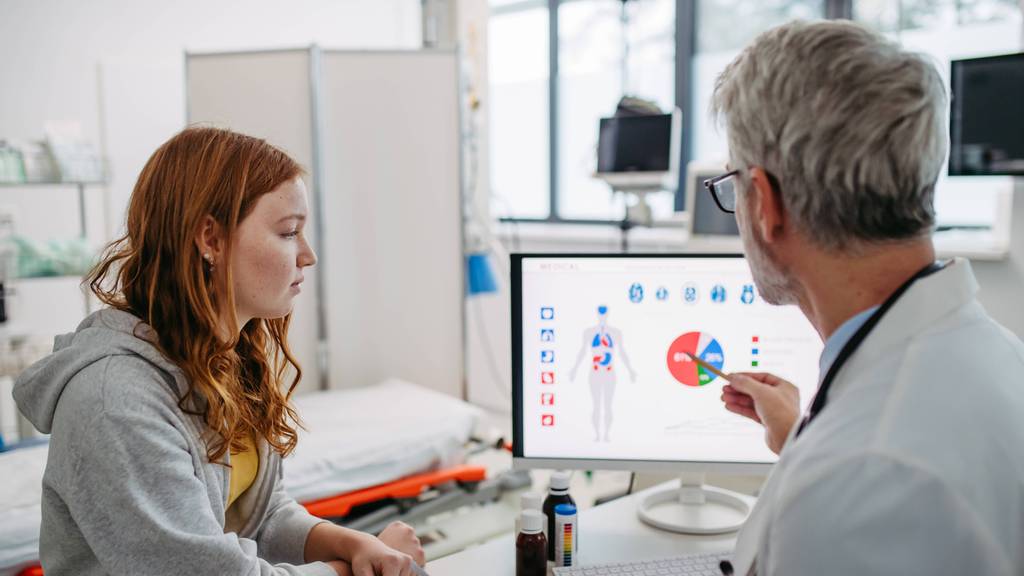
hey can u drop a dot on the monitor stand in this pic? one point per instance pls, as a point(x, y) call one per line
point(695, 508)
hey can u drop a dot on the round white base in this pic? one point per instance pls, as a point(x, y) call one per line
point(722, 512)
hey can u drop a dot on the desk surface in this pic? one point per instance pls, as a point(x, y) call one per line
point(608, 533)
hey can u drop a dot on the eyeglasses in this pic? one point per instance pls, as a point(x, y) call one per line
point(723, 190)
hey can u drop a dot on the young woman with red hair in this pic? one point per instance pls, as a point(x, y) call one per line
point(169, 409)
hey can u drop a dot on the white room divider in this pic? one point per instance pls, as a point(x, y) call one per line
point(379, 134)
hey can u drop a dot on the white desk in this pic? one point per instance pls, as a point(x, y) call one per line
point(608, 533)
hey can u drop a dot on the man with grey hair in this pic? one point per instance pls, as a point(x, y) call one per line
point(909, 459)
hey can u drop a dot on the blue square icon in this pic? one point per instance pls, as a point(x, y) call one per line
point(547, 313)
point(755, 351)
point(547, 335)
point(547, 356)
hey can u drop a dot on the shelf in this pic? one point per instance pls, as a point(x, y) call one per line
point(53, 183)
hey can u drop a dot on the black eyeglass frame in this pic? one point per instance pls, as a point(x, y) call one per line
point(712, 186)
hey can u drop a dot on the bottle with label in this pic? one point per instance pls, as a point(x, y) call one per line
point(566, 536)
point(531, 559)
point(558, 493)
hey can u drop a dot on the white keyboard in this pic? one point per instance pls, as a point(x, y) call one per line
point(688, 565)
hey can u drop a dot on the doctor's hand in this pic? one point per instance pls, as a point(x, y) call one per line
point(402, 537)
point(766, 399)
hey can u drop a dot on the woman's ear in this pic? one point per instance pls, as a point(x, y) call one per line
point(209, 240)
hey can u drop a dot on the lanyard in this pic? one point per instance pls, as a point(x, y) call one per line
point(855, 341)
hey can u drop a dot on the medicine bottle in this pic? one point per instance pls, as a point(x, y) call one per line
point(558, 493)
point(531, 559)
point(530, 501)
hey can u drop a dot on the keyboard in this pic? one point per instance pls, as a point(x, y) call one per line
point(704, 564)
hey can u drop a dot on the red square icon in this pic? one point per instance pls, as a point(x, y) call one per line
point(547, 399)
point(755, 339)
point(547, 377)
point(547, 420)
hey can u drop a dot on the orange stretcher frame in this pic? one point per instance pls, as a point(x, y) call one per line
point(409, 487)
point(342, 504)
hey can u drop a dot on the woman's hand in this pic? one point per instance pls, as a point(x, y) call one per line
point(766, 399)
point(372, 557)
point(340, 567)
point(402, 537)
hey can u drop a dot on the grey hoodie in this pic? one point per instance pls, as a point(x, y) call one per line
point(128, 488)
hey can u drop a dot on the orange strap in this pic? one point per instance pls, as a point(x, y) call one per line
point(409, 487)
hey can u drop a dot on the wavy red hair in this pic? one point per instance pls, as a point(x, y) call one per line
point(155, 271)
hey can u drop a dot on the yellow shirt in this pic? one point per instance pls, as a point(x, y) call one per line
point(244, 466)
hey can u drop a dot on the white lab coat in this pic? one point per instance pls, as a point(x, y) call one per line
point(916, 463)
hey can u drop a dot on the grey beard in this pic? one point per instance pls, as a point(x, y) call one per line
point(773, 283)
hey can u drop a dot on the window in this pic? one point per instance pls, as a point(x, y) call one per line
point(518, 122)
point(593, 37)
point(532, 181)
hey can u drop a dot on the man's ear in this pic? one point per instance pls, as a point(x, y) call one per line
point(209, 240)
point(767, 212)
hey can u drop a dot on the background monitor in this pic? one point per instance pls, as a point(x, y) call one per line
point(986, 116)
point(634, 144)
point(640, 152)
point(582, 325)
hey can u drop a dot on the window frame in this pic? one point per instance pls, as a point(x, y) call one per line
point(685, 49)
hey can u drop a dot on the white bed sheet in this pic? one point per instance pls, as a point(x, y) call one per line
point(363, 437)
point(21, 490)
point(354, 439)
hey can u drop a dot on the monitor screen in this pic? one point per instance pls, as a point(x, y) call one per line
point(635, 144)
point(986, 116)
point(601, 378)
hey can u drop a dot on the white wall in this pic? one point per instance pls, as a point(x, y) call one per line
point(1002, 282)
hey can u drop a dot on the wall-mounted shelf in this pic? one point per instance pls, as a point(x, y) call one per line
point(79, 185)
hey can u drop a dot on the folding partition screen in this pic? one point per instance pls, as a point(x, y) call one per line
point(379, 135)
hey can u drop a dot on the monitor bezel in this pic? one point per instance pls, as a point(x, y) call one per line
point(519, 461)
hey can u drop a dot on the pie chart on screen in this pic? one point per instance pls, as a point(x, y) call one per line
point(701, 345)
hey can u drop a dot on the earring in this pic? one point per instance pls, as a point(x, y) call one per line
point(209, 260)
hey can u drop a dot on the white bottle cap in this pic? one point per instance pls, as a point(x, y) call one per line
point(532, 521)
point(560, 480)
point(531, 501)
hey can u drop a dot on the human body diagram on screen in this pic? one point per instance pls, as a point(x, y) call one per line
point(605, 345)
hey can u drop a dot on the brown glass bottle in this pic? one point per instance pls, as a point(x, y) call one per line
point(558, 493)
point(531, 546)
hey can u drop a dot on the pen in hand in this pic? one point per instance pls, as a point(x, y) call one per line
point(709, 367)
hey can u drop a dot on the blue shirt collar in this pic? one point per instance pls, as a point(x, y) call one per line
point(839, 338)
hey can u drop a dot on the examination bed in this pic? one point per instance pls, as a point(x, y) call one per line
point(388, 442)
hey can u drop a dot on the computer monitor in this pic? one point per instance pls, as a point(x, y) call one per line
point(640, 152)
point(601, 376)
point(986, 116)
